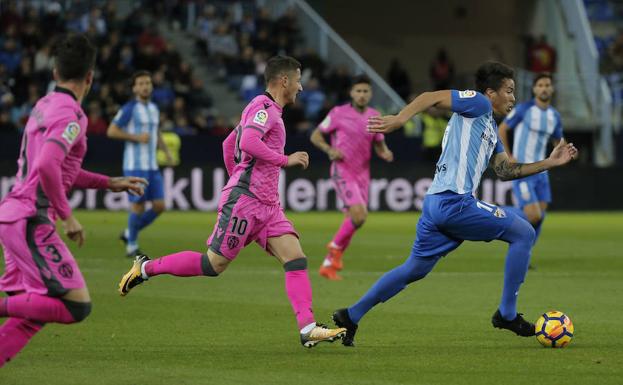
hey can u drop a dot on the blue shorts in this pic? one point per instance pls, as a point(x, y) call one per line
point(154, 191)
point(448, 219)
point(532, 189)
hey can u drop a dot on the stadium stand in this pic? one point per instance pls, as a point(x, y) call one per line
point(125, 44)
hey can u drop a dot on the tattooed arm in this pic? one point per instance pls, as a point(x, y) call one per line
point(507, 169)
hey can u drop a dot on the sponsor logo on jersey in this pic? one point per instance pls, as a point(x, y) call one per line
point(441, 168)
point(467, 94)
point(261, 117)
point(71, 132)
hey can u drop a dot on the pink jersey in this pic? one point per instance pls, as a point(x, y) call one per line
point(56, 119)
point(347, 128)
point(254, 151)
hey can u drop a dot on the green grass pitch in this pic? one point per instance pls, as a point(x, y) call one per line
point(239, 328)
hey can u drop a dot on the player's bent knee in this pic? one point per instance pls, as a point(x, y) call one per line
point(138, 208)
point(526, 232)
point(534, 219)
point(158, 207)
point(419, 268)
point(78, 310)
point(295, 264)
point(213, 264)
point(358, 216)
point(359, 221)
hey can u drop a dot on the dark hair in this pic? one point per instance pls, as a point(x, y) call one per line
point(74, 56)
point(491, 75)
point(278, 65)
point(542, 75)
point(360, 79)
point(138, 74)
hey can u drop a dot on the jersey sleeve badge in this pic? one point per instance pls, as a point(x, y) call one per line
point(261, 117)
point(71, 132)
point(467, 94)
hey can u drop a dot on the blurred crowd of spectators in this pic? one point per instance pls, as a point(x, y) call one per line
point(606, 15)
point(27, 34)
point(235, 38)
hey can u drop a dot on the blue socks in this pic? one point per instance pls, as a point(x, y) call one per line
point(133, 223)
point(137, 222)
point(146, 218)
point(519, 212)
point(520, 236)
point(538, 226)
point(391, 283)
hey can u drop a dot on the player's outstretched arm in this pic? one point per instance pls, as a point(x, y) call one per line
point(318, 140)
point(299, 158)
point(49, 168)
point(389, 123)
point(508, 170)
point(87, 179)
point(229, 152)
point(503, 133)
point(383, 152)
point(251, 143)
point(133, 185)
point(115, 132)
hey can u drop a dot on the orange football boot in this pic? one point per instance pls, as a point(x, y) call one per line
point(335, 256)
point(329, 273)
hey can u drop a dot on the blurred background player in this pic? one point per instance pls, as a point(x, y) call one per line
point(349, 152)
point(249, 208)
point(137, 124)
point(451, 214)
point(535, 123)
point(41, 276)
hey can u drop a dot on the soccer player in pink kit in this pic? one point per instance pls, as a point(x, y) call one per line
point(249, 209)
point(41, 276)
point(350, 153)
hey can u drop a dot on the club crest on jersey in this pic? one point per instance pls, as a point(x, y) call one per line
point(467, 94)
point(233, 242)
point(260, 117)
point(499, 213)
point(326, 122)
point(71, 132)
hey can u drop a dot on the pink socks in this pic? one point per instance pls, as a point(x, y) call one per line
point(14, 335)
point(182, 264)
point(299, 291)
point(36, 307)
point(345, 233)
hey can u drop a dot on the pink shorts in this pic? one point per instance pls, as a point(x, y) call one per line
point(351, 191)
point(37, 260)
point(243, 219)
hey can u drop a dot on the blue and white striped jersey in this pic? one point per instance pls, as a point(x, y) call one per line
point(136, 117)
point(533, 128)
point(468, 143)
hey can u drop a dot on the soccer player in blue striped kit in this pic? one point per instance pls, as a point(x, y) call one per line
point(451, 214)
point(136, 123)
point(534, 124)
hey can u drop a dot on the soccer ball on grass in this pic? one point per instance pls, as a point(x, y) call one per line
point(554, 329)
